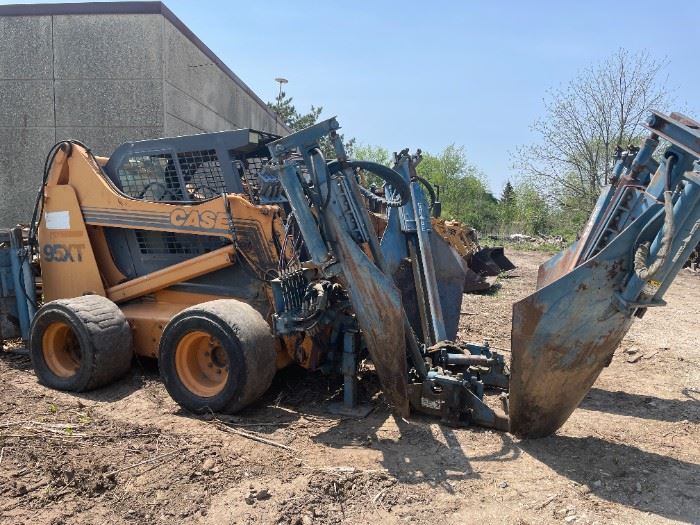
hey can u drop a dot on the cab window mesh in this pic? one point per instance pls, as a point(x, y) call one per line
point(150, 177)
point(170, 243)
point(248, 169)
point(201, 171)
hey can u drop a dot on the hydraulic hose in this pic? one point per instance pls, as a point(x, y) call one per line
point(388, 175)
point(431, 191)
point(643, 271)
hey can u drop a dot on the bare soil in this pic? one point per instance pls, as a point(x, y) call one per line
point(127, 454)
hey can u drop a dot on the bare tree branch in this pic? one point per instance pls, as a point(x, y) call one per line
point(586, 120)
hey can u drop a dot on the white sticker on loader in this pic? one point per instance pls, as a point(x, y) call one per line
point(429, 403)
point(57, 220)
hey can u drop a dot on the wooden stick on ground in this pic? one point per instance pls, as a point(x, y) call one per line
point(254, 437)
point(12, 423)
point(145, 462)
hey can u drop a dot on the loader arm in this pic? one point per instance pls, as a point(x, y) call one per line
point(343, 245)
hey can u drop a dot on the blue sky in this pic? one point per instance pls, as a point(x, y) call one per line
point(427, 74)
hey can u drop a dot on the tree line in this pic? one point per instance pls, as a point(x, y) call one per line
point(559, 176)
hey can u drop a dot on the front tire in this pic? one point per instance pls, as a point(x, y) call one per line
point(217, 356)
point(80, 344)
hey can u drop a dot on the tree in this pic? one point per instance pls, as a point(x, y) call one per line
point(585, 121)
point(289, 115)
point(295, 121)
point(508, 196)
point(464, 192)
point(507, 208)
point(376, 154)
point(531, 212)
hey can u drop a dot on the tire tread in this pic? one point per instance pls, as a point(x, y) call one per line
point(255, 340)
point(108, 333)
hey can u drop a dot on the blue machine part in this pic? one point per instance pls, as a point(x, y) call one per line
point(338, 213)
point(342, 246)
point(566, 333)
point(408, 236)
point(17, 290)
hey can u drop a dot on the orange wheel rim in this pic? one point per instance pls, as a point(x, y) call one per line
point(201, 363)
point(61, 349)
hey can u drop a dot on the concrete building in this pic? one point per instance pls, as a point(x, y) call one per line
point(105, 73)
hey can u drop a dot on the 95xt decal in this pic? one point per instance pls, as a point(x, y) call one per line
point(62, 252)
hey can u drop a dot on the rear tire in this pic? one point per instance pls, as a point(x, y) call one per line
point(217, 356)
point(80, 344)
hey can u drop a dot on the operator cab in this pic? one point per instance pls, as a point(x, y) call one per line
point(196, 167)
point(186, 169)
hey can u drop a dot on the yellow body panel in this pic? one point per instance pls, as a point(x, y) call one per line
point(79, 202)
point(149, 316)
point(68, 265)
point(111, 275)
point(177, 273)
point(103, 205)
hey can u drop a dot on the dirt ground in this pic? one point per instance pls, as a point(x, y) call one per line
point(127, 454)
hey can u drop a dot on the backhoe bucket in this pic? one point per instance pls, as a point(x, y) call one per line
point(563, 336)
point(377, 303)
point(640, 234)
point(490, 261)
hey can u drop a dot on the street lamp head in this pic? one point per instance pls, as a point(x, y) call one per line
point(281, 80)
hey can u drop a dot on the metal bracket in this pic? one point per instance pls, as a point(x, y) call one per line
point(677, 129)
point(304, 139)
point(693, 176)
point(453, 400)
point(628, 306)
point(349, 406)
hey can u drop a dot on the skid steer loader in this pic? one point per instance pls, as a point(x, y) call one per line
point(230, 255)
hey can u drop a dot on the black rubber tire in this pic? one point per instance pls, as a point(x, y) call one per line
point(102, 332)
point(247, 340)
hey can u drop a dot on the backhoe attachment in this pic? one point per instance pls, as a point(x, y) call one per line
point(342, 245)
point(405, 293)
point(642, 230)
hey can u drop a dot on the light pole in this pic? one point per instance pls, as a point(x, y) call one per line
point(281, 81)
